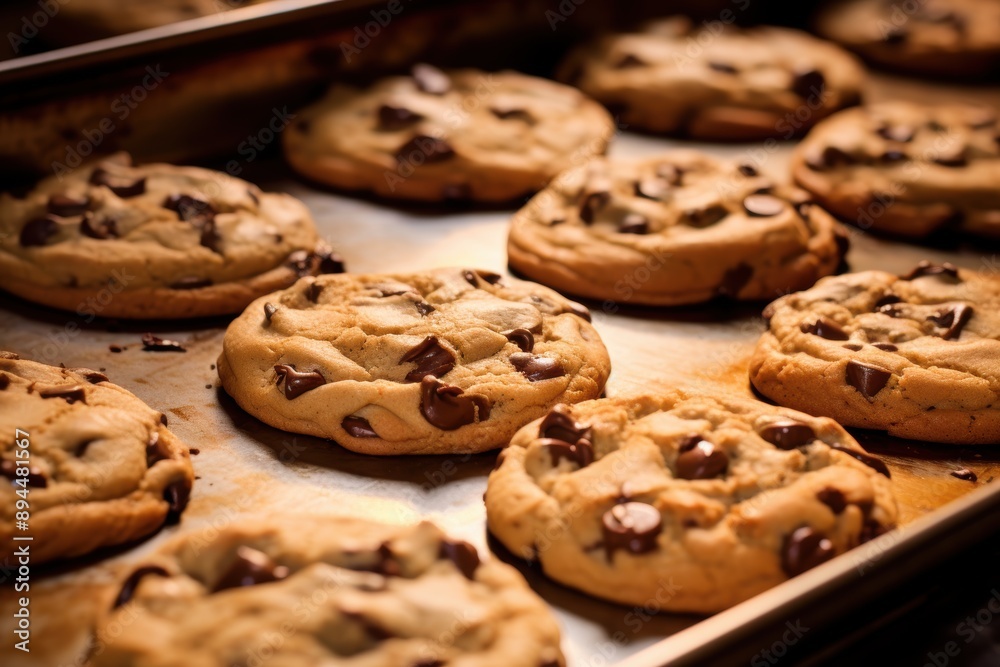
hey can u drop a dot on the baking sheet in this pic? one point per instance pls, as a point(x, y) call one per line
point(245, 467)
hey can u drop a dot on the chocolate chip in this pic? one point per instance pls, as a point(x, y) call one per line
point(329, 261)
point(809, 84)
point(313, 290)
point(103, 229)
point(824, 328)
point(523, 338)
point(788, 434)
point(151, 343)
point(431, 358)
point(537, 368)
point(302, 262)
point(828, 158)
point(448, 407)
point(269, 310)
point(891, 156)
point(121, 186)
point(886, 347)
point(653, 188)
point(725, 68)
point(154, 450)
point(804, 549)
point(735, 279)
point(964, 474)
point(297, 383)
point(490, 277)
point(430, 79)
point(872, 462)
point(592, 203)
point(633, 223)
point(952, 158)
point(705, 217)
point(35, 477)
point(558, 425)
point(579, 310)
point(358, 427)
point(763, 206)
point(925, 268)
point(396, 118)
point(672, 174)
point(67, 207)
point(901, 133)
point(700, 459)
point(869, 380)
point(430, 149)
point(628, 61)
point(191, 282)
point(37, 232)
point(632, 526)
point(580, 452)
point(833, 498)
point(471, 278)
point(953, 319)
point(4, 381)
point(895, 35)
point(513, 113)
point(189, 209)
point(463, 555)
point(128, 587)
point(886, 299)
point(424, 308)
point(116, 349)
point(250, 568)
point(177, 495)
point(163, 419)
point(70, 394)
point(747, 169)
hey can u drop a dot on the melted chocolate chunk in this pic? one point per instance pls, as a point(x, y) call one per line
point(886, 300)
point(964, 474)
point(672, 174)
point(512, 113)
point(37, 232)
point(747, 169)
point(592, 203)
point(788, 434)
point(329, 261)
point(869, 380)
point(298, 383)
point(4, 381)
point(430, 79)
point(103, 229)
point(700, 459)
point(901, 133)
point(633, 223)
point(151, 343)
point(269, 310)
point(121, 186)
point(887, 347)
point(809, 84)
point(952, 319)
point(67, 207)
point(177, 495)
point(358, 427)
point(925, 268)
point(463, 555)
point(396, 118)
point(632, 526)
point(890, 156)
point(735, 279)
point(763, 206)
point(537, 368)
point(580, 452)
point(424, 308)
point(132, 583)
point(70, 394)
point(895, 35)
point(804, 549)
point(830, 157)
point(448, 408)
point(824, 328)
point(192, 282)
point(431, 358)
point(558, 425)
point(250, 568)
point(872, 462)
point(93, 377)
point(705, 217)
point(430, 149)
point(523, 338)
point(579, 310)
point(725, 68)
point(189, 209)
point(833, 498)
point(154, 450)
point(35, 477)
point(302, 262)
point(313, 290)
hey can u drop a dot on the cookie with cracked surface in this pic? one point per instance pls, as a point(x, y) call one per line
point(447, 360)
point(97, 465)
point(154, 241)
point(905, 168)
point(915, 355)
point(697, 502)
point(677, 229)
point(457, 135)
point(392, 596)
point(950, 38)
point(737, 84)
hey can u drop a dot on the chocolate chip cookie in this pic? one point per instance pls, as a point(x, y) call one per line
point(716, 82)
point(154, 241)
point(677, 229)
point(696, 502)
point(905, 168)
point(458, 135)
point(915, 355)
point(448, 360)
point(951, 38)
point(95, 465)
point(309, 590)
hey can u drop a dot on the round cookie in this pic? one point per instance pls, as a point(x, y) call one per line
point(309, 590)
point(448, 360)
point(917, 356)
point(96, 465)
point(677, 229)
point(905, 168)
point(155, 241)
point(716, 82)
point(950, 38)
point(435, 136)
point(696, 502)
